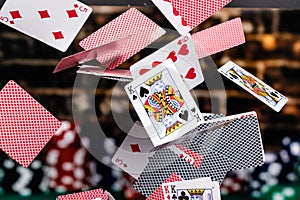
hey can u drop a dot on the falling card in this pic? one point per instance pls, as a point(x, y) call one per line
point(253, 85)
point(53, 22)
point(134, 153)
point(85, 56)
point(164, 104)
point(87, 195)
point(202, 188)
point(186, 15)
point(25, 125)
point(182, 52)
point(123, 75)
point(166, 162)
point(219, 38)
point(132, 22)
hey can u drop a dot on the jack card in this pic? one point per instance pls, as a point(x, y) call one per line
point(164, 104)
point(54, 22)
point(253, 85)
point(182, 52)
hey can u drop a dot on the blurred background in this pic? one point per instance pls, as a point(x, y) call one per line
point(271, 52)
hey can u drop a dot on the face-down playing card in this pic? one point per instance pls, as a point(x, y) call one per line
point(253, 85)
point(202, 188)
point(25, 125)
point(219, 38)
point(186, 15)
point(132, 22)
point(54, 22)
point(164, 104)
point(182, 52)
point(87, 195)
point(88, 55)
point(240, 141)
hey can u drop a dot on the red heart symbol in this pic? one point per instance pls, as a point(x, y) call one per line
point(173, 56)
point(179, 42)
point(184, 23)
point(176, 13)
point(155, 63)
point(143, 71)
point(191, 74)
point(183, 50)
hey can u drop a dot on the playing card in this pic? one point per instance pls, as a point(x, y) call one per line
point(219, 38)
point(240, 141)
point(134, 153)
point(116, 74)
point(110, 197)
point(253, 85)
point(186, 15)
point(202, 188)
point(87, 195)
point(166, 162)
point(163, 103)
point(182, 52)
point(25, 125)
point(132, 22)
point(54, 22)
point(85, 56)
point(158, 193)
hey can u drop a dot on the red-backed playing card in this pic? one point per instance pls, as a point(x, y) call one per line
point(132, 22)
point(85, 56)
point(88, 195)
point(186, 15)
point(25, 125)
point(219, 38)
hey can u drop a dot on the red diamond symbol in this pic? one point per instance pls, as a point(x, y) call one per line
point(75, 5)
point(135, 148)
point(15, 14)
point(11, 22)
point(58, 35)
point(72, 13)
point(44, 14)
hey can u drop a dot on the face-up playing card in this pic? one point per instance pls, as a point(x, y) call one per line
point(85, 56)
point(88, 195)
point(158, 193)
point(182, 52)
point(54, 22)
point(164, 104)
point(186, 15)
point(134, 153)
point(253, 85)
point(219, 38)
point(131, 22)
point(202, 188)
point(166, 162)
point(25, 125)
point(116, 74)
